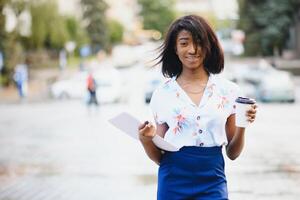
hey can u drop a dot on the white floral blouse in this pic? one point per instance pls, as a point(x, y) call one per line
point(190, 124)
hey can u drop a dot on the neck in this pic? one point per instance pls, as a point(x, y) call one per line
point(194, 74)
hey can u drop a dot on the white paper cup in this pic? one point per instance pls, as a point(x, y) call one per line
point(242, 105)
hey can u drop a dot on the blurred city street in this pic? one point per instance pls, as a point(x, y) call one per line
point(67, 67)
point(62, 150)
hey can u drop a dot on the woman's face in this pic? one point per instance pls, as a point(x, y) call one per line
point(190, 57)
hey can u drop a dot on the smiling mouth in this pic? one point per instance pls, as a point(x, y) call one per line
point(192, 58)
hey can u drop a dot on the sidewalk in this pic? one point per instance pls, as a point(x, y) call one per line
point(56, 151)
point(38, 86)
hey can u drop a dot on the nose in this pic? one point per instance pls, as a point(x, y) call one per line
point(192, 49)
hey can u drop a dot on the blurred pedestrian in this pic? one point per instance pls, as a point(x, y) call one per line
point(1, 61)
point(195, 111)
point(62, 59)
point(92, 87)
point(21, 79)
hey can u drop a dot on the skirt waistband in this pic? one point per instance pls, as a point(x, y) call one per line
point(199, 150)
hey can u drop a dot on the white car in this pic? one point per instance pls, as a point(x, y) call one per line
point(277, 86)
point(73, 88)
point(108, 86)
point(154, 78)
point(264, 83)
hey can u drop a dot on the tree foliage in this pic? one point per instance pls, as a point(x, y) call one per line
point(96, 23)
point(116, 31)
point(157, 14)
point(3, 49)
point(76, 32)
point(10, 45)
point(2, 24)
point(266, 24)
point(48, 27)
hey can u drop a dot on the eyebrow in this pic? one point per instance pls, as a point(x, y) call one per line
point(183, 38)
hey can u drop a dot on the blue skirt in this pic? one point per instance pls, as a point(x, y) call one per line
point(192, 173)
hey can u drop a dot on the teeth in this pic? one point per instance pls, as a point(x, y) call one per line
point(192, 57)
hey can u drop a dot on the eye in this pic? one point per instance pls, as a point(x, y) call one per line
point(183, 43)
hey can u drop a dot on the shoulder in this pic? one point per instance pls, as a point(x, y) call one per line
point(164, 87)
point(160, 99)
point(225, 84)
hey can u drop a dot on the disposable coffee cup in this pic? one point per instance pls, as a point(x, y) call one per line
point(242, 105)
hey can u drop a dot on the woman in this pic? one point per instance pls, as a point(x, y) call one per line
point(195, 111)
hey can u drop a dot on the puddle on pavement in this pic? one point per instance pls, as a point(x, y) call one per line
point(146, 179)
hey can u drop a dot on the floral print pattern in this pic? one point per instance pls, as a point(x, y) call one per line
point(210, 90)
point(190, 124)
point(180, 121)
point(223, 103)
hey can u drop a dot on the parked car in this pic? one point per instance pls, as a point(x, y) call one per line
point(72, 88)
point(108, 85)
point(154, 79)
point(151, 86)
point(265, 83)
point(107, 81)
point(277, 86)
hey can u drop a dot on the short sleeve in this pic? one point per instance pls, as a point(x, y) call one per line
point(235, 92)
point(157, 106)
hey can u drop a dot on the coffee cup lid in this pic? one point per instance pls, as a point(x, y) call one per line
point(245, 100)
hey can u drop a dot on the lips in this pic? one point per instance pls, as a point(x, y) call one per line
point(192, 58)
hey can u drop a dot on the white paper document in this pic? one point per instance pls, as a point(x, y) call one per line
point(129, 125)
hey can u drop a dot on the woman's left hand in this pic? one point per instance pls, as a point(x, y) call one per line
point(251, 113)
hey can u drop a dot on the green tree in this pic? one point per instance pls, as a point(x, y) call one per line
point(3, 33)
point(115, 30)
point(76, 32)
point(48, 27)
point(2, 40)
point(10, 45)
point(157, 14)
point(96, 23)
point(266, 24)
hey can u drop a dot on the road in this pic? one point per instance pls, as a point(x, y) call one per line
point(60, 150)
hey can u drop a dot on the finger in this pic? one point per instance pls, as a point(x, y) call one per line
point(249, 114)
point(254, 107)
point(150, 126)
point(251, 111)
point(144, 129)
point(251, 118)
point(151, 130)
point(141, 126)
point(147, 128)
point(251, 121)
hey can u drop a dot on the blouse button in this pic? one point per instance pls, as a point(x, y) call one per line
point(198, 117)
point(200, 131)
point(201, 144)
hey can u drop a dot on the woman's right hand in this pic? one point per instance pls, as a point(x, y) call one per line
point(146, 132)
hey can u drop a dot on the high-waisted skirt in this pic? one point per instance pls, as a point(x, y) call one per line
point(192, 173)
